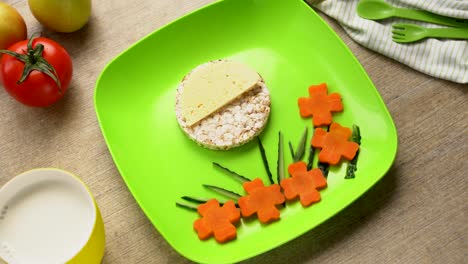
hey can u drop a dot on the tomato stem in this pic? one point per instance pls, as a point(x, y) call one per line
point(33, 60)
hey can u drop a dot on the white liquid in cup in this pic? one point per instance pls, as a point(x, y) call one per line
point(48, 221)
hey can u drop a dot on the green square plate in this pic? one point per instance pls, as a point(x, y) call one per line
point(292, 48)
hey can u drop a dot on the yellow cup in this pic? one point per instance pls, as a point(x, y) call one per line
point(49, 216)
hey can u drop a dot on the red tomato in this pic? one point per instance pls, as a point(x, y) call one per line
point(38, 89)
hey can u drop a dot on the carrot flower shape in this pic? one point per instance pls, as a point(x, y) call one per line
point(334, 144)
point(262, 200)
point(320, 105)
point(217, 220)
point(303, 184)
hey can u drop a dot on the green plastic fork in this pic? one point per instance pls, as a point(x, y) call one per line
point(404, 33)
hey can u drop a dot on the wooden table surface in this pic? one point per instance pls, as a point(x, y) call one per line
point(416, 214)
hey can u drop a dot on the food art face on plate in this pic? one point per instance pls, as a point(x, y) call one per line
point(214, 86)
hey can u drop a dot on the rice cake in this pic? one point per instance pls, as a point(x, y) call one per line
point(232, 125)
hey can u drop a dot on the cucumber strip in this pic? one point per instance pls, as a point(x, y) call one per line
point(300, 150)
point(280, 162)
point(291, 149)
point(187, 206)
point(195, 199)
point(265, 161)
point(231, 173)
point(352, 165)
point(324, 167)
point(230, 194)
point(356, 134)
point(202, 200)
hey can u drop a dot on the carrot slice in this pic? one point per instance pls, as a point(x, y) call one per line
point(320, 181)
point(303, 183)
point(334, 144)
point(217, 220)
point(261, 200)
point(320, 105)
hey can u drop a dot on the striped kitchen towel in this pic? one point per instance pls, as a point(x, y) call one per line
point(441, 58)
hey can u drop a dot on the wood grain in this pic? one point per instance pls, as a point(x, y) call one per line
point(415, 214)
